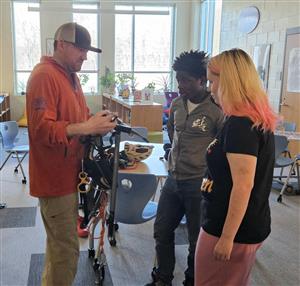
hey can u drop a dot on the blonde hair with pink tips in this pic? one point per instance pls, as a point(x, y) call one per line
point(240, 89)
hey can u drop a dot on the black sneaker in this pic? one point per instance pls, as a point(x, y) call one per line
point(156, 281)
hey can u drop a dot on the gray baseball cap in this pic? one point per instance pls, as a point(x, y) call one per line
point(75, 34)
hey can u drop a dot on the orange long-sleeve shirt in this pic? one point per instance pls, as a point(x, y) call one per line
point(52, 102)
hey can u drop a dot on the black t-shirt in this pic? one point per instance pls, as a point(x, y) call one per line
point(239, 136)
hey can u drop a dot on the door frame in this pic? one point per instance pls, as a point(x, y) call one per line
point(289, 31)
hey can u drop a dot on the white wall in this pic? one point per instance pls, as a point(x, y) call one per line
point(6, 51)
point(275, 17)
point(185, 39)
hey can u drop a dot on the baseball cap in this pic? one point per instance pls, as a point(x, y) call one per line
point(75, 34)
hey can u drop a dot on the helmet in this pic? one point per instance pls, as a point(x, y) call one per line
point(137, 152)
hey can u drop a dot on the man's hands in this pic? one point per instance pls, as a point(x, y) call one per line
point(99, 124)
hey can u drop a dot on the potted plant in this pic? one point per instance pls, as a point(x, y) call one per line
point(169, 95)
point(83, 78)
point(108, 81)
point(148, 91)
point(151, 85)
point(124, 80)
point(164, 82)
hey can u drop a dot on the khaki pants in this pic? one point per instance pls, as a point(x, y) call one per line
point(62, 251)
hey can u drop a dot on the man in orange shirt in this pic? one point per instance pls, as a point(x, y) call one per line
point(57, 117)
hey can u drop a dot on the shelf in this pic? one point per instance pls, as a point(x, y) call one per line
point(4, 107)
point(145, 114)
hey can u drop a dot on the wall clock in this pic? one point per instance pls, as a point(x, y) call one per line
point(248, 20)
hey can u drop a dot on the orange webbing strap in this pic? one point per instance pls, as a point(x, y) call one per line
point(102, 216)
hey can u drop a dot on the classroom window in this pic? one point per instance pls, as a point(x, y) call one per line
point(89, 73)
point(210, 26)
point(27, 43)
point(144, 43)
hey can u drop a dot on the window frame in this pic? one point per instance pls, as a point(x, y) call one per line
point(97, 13)
point(17, 71)
point(132, 72)
point(207, 21)
point(97, 71)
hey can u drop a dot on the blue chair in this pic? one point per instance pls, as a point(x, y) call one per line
point(293, 172)
point(281, 143)
point(133, 201)
point(289, 126)
point(9, 131)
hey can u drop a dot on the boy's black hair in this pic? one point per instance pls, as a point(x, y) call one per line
point(193, 62)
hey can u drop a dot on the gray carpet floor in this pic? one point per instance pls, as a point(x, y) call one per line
point(181, 235)
point(22, 243)
point(85, 274)
point(17, 217)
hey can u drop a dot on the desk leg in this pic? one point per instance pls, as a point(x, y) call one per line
point(160, 183)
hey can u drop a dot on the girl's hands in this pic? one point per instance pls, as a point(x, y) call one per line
point(223, 248)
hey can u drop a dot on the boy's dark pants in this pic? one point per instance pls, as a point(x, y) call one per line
point(178, 198)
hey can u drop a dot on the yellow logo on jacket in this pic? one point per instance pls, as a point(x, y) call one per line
point(200, 123)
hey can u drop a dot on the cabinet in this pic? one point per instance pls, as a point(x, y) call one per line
point(4, 107)
point(146, 114)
